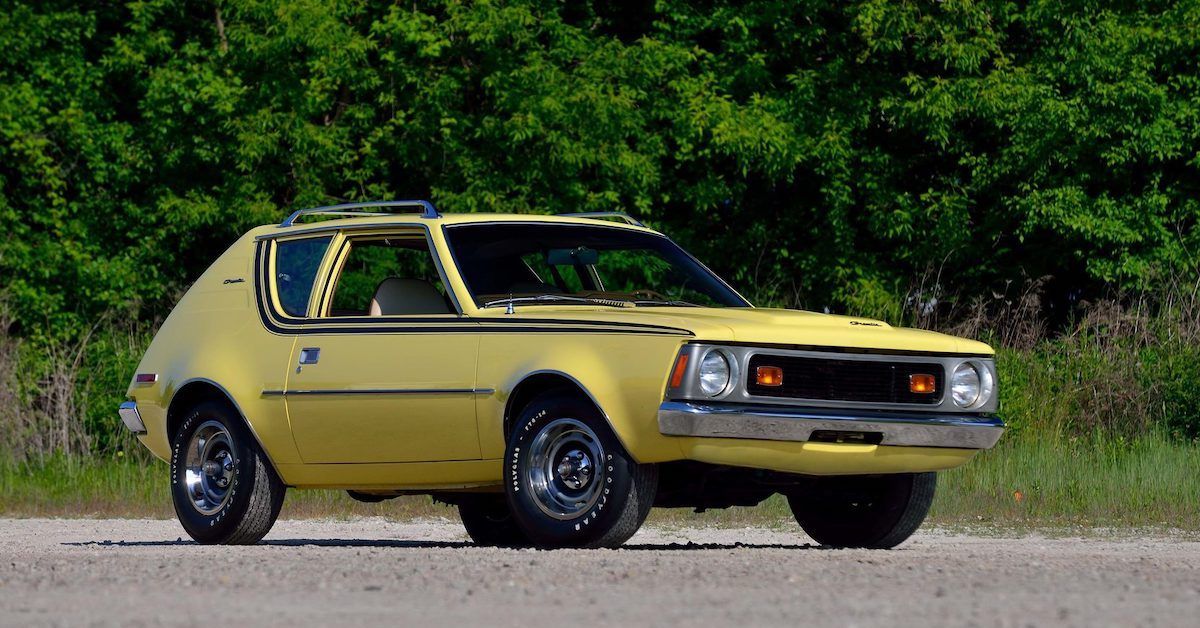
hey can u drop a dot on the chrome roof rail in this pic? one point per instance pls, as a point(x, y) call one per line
point(622, 215)
point(356, 209)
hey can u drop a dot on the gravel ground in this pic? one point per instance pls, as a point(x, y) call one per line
point(372, 571)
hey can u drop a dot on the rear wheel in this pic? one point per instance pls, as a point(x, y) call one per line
point(864, 511)
point(489, 522)
point(223, 488)
point(569, 481)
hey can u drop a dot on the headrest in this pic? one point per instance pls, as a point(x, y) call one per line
point(401, 297)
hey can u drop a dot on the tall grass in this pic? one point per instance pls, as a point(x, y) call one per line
point(1098, 481)
point(59, 398)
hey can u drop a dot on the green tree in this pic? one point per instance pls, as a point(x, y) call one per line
point(818, 153)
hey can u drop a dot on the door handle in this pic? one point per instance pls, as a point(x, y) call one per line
point(310, 355)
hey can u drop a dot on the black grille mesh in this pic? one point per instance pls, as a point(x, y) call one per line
point(846, 380)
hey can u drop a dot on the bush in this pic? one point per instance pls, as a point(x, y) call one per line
point(60, 398)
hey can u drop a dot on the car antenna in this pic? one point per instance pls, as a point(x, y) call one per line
point(509, 309)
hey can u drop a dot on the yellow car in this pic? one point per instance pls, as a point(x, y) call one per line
point(554, 377)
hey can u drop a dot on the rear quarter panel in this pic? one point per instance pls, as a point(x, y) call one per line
point(214, 334)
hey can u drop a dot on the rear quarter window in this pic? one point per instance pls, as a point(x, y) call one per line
point(296, 264)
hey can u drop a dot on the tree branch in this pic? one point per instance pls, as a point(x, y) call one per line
point(221, 31)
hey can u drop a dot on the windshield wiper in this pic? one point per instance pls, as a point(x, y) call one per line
point(557, 298)
point(668, 302)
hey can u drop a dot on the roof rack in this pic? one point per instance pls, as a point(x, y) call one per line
point(622, 215)
point(356, 209)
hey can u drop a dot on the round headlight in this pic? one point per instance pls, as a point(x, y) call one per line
point(965, 385)
point(714, 373)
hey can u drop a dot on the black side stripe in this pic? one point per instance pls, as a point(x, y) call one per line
point(439, 325)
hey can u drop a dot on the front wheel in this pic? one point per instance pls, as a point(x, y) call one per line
point(877, 512)
point(569, 481)
point(223, 488)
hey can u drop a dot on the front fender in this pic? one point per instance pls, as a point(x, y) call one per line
point(625, 375)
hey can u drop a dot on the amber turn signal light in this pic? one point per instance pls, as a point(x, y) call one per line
point(768, 376)
point(921, 383)
point(680, 368)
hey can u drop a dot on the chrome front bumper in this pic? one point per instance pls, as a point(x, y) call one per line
point(717, 420)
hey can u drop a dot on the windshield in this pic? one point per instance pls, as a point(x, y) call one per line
point(584, 265)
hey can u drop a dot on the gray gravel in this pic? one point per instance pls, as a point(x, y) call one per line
point(371, 571)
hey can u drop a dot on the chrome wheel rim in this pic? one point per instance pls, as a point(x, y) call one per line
point(209, 468)
point(565, 469)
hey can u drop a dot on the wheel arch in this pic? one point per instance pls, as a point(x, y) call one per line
point(538, 383)
point(199, 389)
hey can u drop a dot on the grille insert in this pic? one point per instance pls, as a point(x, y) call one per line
point(830, 379)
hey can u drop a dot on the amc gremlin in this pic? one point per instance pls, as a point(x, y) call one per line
point(553, 377)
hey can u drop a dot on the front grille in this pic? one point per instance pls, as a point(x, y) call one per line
point(828, 379)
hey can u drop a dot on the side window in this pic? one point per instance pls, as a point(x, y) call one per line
point(391, 275)
point(296, 263)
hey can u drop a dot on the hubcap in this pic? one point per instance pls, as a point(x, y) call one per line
point(209, 467)
point(575, 469)
point(561, 472)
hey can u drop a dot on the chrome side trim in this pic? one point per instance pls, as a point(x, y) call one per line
point(131, 417)
point(795, 424)
point(382, 391)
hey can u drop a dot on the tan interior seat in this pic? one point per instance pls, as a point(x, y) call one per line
point(401, 297)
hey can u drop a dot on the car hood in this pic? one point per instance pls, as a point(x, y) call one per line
point(767, 326)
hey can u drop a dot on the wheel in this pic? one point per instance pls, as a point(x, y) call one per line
point(569, 482)
point(864, 511)
point(223, 488)
point(489, 522)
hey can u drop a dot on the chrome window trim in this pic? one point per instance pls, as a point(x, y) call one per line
point(690, 390)
point(270, 274)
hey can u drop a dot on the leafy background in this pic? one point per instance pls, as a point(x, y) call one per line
point(821, 154)
point(1022, 172)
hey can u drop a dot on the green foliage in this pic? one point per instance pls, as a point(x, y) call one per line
point(815, 153)
point(1099, 481)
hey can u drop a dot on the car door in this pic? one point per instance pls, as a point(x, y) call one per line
point(384, 370)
